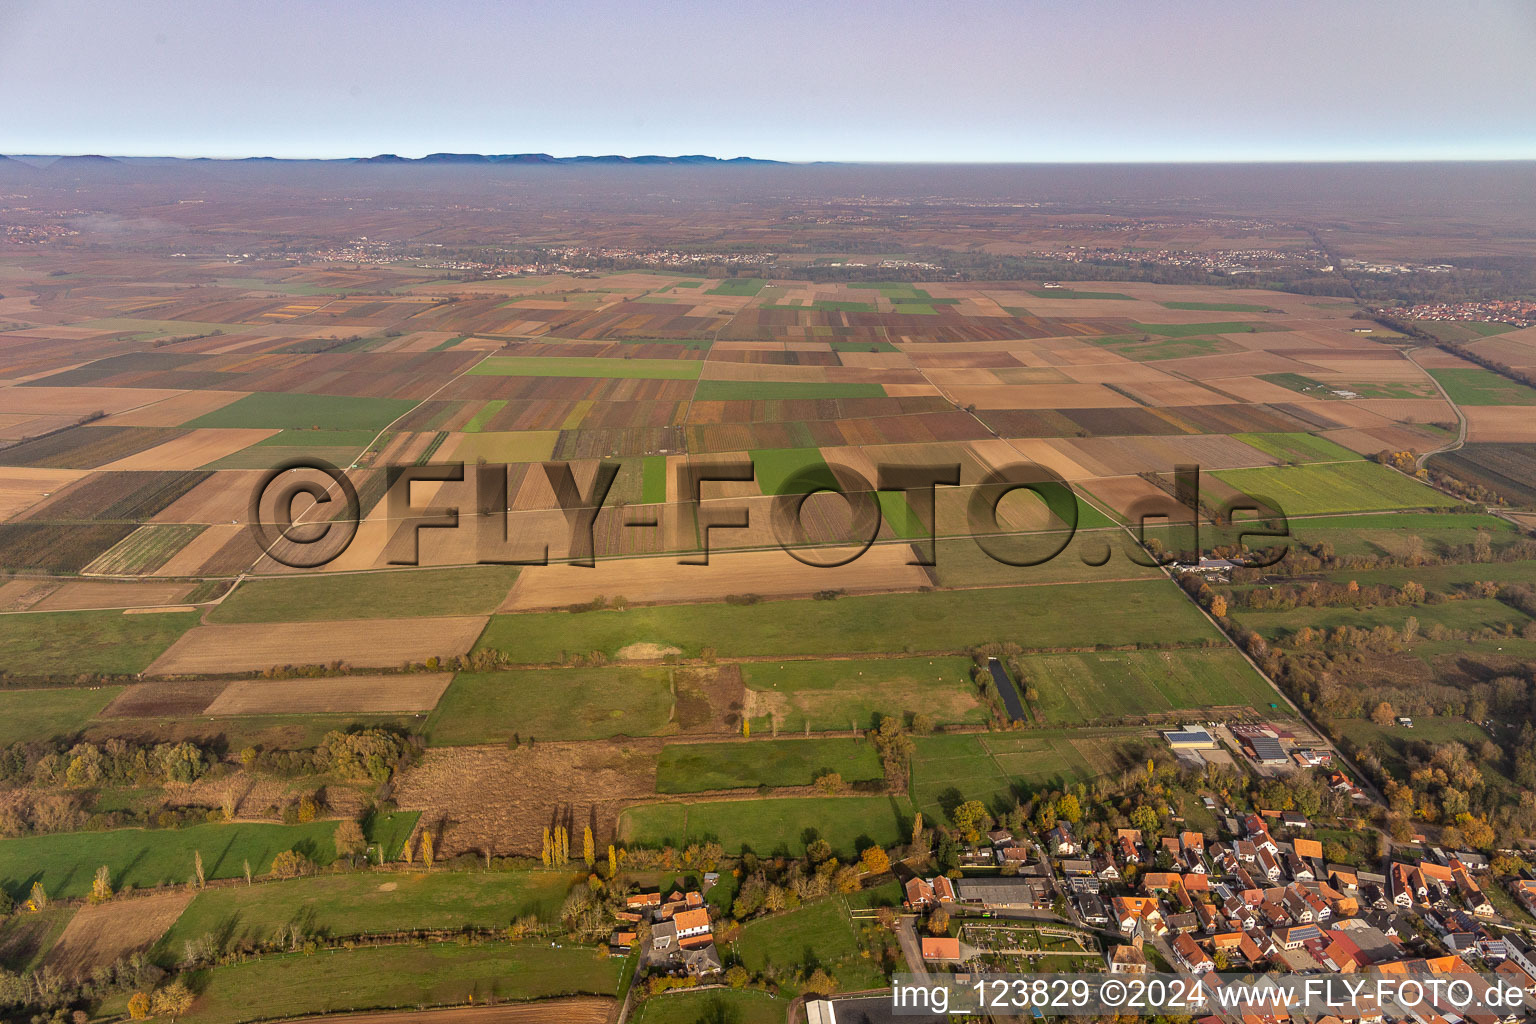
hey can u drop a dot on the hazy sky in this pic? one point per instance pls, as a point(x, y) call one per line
point(955, 81)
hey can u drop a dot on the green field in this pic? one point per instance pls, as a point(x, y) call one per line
point(1069, 293)
point(145, 858)
point(1189, 330)
point(1392, 743)
point(26, 939)
point(836, 695)
point(738, 286)
point(1077, 688)
point(1298, 447)
point(480, 419)
point(1446, 578)
point(68, 643)
point(381, 977)
point(295, 438)
point(552, 704)
point(305, 412)
point(1333, 487)
point(1040, 616)
point(769, 390)
point(588, 366)
point(999, 770)
point(653, 487)
point(340, 906)
point(1472, 614)
point(1390, 533)
point(696, 767)
point(728, 1006)
point(775, 467)
point(1216, 307)
point(768, 826)
point(402, 593)
point(1147, 350)
point(45, 714)
point(1477, 386)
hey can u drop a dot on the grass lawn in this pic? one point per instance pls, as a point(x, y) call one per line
point(302, 412)
point(1477, 386)
point(728, 1006)
point(1039, 616)
point(1077, 688)
point(770, 826)
point(338, 906)
point(67, 643)
point(819, 933)
point(44, 714)
point(1216, 307)
point(694, 767)
point(1000, 769)
point(763, 390)
point(26, 938)
point(836, 695)
point(1298, 447)
point(1334, 487)
point(588, 366)
point(552, 704)
point(398, 593)
point(381, 977)
point(653, 488)
point(65, 862)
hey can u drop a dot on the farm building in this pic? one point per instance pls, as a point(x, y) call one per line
point(1191, 737)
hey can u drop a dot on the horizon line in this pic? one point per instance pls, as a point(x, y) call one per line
point(385, 157)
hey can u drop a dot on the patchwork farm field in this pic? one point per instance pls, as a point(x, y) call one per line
point(476, 590)
point(59, 644)
point(837, 695)
point(44, 714)
point(553, 704)
point(1000, 770)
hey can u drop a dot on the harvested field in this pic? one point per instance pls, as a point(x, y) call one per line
point(87, 447)
point(193, 450)
point(73, 597)
point(1499, 423)
point(101, 933)
point(115, 497)
point(378, 643)
point(22, 487)
point(144, 550)
point(343, 694)
point(174, 411)
point(493, 798)
point(662, 580)
point(76, 402)
point(162, 700)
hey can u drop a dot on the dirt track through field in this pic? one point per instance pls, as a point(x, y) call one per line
point(588, 1010)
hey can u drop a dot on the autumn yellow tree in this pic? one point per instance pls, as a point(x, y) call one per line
point(548, 856)
point(138, 1006)
point(172, 1001)
point(406, 852)
point(613, 861)
point(101, 885)
point(588, 850)
point(426, 850)
point(875, 860)
point(39, 897)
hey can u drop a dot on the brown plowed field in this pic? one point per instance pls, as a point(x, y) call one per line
point(248, 647)
point(194, 450)
point(100, 934)
point(355, 694)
